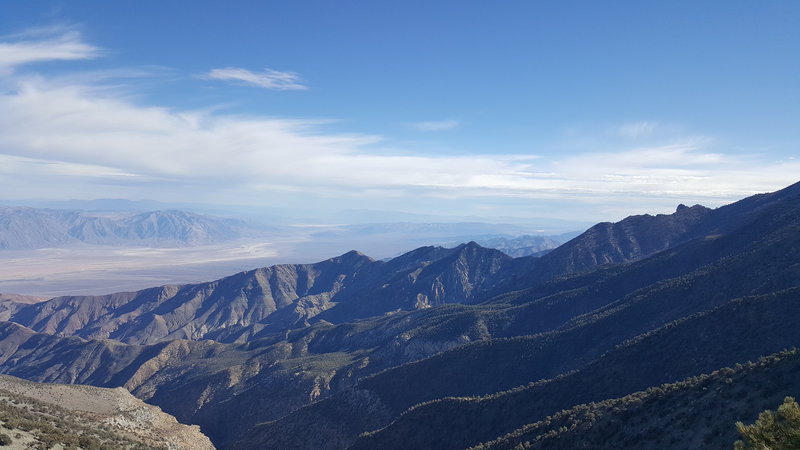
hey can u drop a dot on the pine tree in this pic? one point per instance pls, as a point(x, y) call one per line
point(778, 430)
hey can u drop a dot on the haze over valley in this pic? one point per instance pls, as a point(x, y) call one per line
point(51, 252)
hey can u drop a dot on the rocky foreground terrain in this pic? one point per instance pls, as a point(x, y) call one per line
point(41, 415)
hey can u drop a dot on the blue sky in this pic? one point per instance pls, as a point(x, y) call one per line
point(581, 110)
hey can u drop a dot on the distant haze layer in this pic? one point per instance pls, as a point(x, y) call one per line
point(48, 252)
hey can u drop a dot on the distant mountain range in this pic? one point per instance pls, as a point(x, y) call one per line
point(32, 228)
point(525, 245)
point(653, 316)
point(23, 228)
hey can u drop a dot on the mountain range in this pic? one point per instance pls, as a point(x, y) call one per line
point(525, 245)
point(25, 228)
point(458, 347)
point(31, 228)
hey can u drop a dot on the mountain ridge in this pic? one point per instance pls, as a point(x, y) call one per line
point(469, 278)
point(31, 228)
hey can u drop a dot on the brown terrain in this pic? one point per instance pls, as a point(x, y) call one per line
point(35, 414)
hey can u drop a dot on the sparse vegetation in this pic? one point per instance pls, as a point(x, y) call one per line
point(50, 425)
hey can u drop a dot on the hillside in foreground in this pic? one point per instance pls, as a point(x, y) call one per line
point(36, 415)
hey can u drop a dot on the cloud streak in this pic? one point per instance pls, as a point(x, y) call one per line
point(640, 129)
point(66, 45)
point(267, 79)
point(436, 125)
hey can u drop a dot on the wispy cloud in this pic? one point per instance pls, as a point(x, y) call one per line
point(45, 44)
point(639, 129)
point(267, 79)
point(435, 125)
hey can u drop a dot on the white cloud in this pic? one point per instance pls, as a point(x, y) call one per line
point(64, 138)
point(91, 135)
point(268, 79)
point(33, 47)
point(436, 125)
point(96, 135)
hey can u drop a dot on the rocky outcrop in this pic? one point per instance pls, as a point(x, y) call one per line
point(78, 407)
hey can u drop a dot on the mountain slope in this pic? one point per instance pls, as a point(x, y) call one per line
point(637, 237)
point(280, 297)
point(9, 303)
point(737, 332)
point(694, 277)
point(191, 311)
point(275, 298)
point(630, 239)
point(35, 414)
point(196, 380)
point(696, 413)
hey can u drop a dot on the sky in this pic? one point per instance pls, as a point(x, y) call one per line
point(578, 110)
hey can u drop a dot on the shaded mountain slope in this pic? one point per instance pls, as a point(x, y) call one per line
point(765, 248)
point(461, 275)
point(9, 303)
point(204, 381)
point(637, 237)
point(696, 413)
point(630, 239)
point(741, 330)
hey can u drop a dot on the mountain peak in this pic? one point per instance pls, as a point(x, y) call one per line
point(470, 245)
point(683, 209)
point(353, 256)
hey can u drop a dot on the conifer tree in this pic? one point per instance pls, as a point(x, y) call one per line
point(779, 430)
